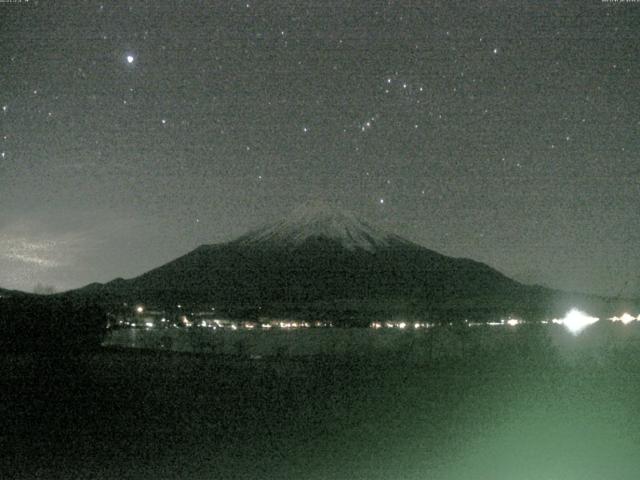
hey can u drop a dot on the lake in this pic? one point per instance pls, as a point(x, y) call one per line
point(517, 403)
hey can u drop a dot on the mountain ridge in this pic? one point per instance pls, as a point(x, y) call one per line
point(324, 262)
point(326, 221)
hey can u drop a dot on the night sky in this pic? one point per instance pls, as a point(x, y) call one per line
point(506, 131)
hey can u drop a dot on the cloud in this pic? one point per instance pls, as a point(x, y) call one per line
point(43, 262)
point(18, 248)
point(59, 248)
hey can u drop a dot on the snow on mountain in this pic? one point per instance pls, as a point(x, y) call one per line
point(320, 220)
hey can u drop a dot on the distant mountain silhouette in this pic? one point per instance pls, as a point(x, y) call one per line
point(324, 261)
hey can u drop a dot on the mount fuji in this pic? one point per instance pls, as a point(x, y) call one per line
point(321, 261)
point(320, 220)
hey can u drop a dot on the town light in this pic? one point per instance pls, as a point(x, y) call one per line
point(626, 318)
point(575, 321)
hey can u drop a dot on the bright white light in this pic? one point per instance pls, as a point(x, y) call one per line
point(149, 324)
point(575, 321)
point(140, 309)
point(512, 322)
point(402, 325)
point(625, 318)
point(130, 59)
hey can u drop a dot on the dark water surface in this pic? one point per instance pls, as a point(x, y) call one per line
point(516, 414)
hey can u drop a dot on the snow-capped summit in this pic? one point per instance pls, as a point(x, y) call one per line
point(321, 220)
point(323, 262)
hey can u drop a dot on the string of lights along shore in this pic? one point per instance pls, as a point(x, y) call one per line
point(505, 132)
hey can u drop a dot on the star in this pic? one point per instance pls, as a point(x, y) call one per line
point(130, 59)
point(495, 50)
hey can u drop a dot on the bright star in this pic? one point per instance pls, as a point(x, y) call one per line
point(130, 59)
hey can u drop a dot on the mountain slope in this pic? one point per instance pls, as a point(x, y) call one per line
point(319, 220)
point(323, 262)
point(319, 260)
